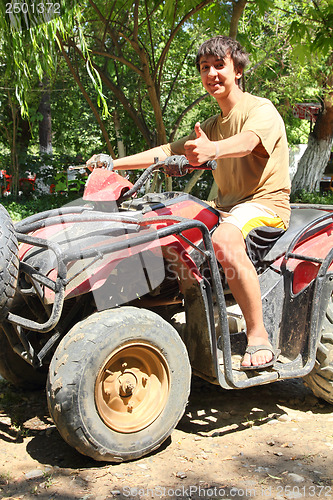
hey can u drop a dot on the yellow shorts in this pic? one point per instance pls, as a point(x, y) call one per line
point(247, 216)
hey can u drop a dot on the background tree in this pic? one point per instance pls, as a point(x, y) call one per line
point(311, 34)
point(123, 75)
point(141, 57)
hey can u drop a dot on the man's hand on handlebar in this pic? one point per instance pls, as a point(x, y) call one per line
point(100, 161)
point(178, 165)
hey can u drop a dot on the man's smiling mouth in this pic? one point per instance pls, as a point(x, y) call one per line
point(215, 84)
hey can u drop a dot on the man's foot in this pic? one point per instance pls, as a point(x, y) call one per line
point(259, 356)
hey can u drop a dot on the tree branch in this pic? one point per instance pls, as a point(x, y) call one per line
point(238, 7)
point(136, 17)
point(165, 51)
point(181, 116)
point(175, 79)
point(150, 35)
point(85, 95)
point(119, 59)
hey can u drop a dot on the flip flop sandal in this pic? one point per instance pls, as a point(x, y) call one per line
point(252, 349)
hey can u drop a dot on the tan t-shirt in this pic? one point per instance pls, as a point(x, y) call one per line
point(263, 175)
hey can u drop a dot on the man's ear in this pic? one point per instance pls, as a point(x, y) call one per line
point(238, 76)
point(239, 73)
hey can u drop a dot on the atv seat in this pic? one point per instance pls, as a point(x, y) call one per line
point(266, 244)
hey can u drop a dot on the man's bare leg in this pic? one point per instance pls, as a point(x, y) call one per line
point(243, 281)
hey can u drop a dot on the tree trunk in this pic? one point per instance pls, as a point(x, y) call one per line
point(45, 136)
point(312, 165)
point(45, 125)
point(315, 158)
point(12, 140)
point(120, 142)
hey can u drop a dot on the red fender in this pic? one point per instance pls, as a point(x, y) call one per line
point(105, 185)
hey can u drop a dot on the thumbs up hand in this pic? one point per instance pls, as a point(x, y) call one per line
point(201, 149)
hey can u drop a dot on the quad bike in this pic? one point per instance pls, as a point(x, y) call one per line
point(117, 299)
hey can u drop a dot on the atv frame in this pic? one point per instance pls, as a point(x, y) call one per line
point(295, 275)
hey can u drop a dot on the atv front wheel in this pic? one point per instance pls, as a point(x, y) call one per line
point(118, 384)
point(320, 379)
point(9, 262)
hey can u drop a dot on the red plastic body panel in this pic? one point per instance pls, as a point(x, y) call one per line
point(95, 276)
point(304, 272)
point(105, 185)
point(188, 209)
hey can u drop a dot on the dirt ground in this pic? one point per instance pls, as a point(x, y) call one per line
point(270, 442)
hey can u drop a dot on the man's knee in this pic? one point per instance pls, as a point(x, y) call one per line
point(228, 243)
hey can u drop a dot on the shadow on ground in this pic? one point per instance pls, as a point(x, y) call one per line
point(211, 411)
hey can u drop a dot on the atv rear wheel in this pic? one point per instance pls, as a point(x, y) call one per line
point(118, 384)
point(320, 380)
point(9, 262)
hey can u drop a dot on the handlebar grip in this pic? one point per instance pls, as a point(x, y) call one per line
point(178, 165)
point(182, 161)
point(208, 165)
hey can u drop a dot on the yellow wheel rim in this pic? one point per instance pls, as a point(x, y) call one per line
point(132, 387)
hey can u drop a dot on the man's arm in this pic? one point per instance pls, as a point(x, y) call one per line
point(202, 149)
point(139, 160)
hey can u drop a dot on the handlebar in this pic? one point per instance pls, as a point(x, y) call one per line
point(177, 166)
point(173, 166)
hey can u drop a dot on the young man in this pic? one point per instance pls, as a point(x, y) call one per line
point(249, 142)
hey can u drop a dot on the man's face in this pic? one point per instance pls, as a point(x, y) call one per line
point(218, 76)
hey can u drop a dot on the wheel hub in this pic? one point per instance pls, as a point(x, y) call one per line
point(127, 384)
point(132, 387)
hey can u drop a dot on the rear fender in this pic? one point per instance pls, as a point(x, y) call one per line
point(304, 272)
point(308, 286)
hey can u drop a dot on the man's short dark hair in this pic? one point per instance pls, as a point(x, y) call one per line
point(222, 46)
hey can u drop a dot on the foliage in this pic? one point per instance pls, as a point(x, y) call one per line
point(316, 197)
point(33, 48)
point(142, 57)
point(277, 72)
point(75, 130)
point(24, 207)
point(138, 59)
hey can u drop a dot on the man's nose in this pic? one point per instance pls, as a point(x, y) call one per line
point(212, 71)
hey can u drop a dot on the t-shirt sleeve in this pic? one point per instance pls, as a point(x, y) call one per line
point(177, 147)
point(267, 124)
